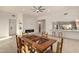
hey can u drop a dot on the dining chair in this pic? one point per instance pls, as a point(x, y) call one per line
point(60, 45)
point(21, 48)
point(44, 34)
point(32, 50)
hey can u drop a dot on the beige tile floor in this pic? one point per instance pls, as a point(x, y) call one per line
point(9, 46)
point(71, 46)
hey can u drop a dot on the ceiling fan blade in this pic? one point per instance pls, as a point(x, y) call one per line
point(35, 7)
point(34, 10)
point(39, 7)
point(43, 9)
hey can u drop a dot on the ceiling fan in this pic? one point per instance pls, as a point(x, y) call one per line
point(38, 9)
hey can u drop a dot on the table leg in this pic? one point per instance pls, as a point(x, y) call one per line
point(52, 48)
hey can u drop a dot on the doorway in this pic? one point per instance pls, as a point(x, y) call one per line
point(41, 26)
point(12, 27)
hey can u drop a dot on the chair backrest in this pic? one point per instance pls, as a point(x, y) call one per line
point(21, 48)
point(45, 34)
point(24, 34)
point(18, 41)
point(60, 45)
point(60, 34)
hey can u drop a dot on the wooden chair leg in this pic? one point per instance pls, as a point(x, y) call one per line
point(52, 48)
point(61, 46)
point(57, 50)
point(17, 51)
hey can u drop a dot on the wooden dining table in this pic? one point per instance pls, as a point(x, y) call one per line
point(38, 43)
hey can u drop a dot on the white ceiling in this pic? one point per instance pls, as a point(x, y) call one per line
point(29, 9)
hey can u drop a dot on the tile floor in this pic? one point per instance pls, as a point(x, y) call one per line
point(9, 46)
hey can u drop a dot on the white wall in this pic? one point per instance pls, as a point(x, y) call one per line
point(30, 22)
point(19, 24)
point(4, 24)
